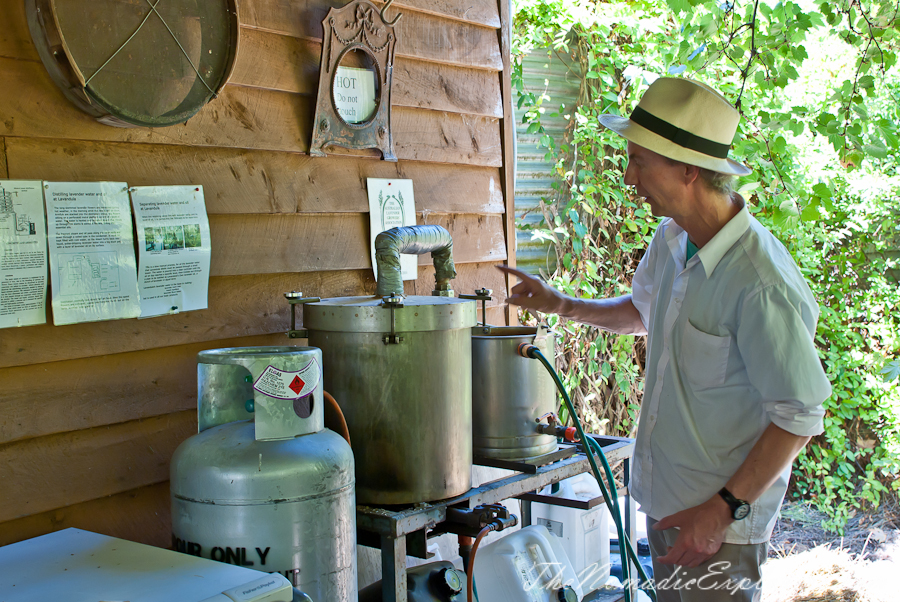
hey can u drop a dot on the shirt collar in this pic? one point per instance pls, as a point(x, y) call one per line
point(713, 251)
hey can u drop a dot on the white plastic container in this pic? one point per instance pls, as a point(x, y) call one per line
point(584, 533)
point(529, 565)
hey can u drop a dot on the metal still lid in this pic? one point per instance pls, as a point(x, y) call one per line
point(371, 314)
point(137, 63)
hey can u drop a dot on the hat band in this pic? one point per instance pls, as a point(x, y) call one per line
point(679, 136)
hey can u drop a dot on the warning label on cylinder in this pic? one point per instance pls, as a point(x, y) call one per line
point(289, 385)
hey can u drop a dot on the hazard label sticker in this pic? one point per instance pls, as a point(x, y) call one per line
point(297, 385)
point(289, 385)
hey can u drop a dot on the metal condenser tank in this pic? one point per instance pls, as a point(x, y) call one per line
point(264, 484)
point(404, 367)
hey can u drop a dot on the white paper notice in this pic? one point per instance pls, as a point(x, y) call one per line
point(23, 254)
point(391, 204)
point(174, 246)
point(354, 94)
point(93, 272)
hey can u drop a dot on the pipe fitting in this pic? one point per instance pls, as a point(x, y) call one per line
point(528, 350)
point(413, 240)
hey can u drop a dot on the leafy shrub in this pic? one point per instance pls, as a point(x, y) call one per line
point(815, 157)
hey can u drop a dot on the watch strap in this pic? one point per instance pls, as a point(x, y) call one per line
point(739, 508)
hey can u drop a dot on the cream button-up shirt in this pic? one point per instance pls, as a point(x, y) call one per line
point(730, 350)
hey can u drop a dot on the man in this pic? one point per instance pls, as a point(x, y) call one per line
point(734, 386)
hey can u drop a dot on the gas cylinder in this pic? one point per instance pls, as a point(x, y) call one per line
point(264, 484)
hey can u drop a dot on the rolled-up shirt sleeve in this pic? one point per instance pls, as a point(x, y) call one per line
point(776, 342)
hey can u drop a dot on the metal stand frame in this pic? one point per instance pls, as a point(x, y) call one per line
point(397, 532)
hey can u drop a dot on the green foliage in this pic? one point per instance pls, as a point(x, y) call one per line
point(816, 84)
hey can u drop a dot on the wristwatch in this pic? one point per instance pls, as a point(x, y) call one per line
point(739, 508)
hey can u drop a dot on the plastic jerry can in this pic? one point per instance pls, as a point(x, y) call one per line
point(584, 533)
point(528, 565)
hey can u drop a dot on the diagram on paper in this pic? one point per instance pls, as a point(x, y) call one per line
point(23, 224)
point(86, 273)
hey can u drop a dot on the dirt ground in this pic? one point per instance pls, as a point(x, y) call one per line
point(808, 564)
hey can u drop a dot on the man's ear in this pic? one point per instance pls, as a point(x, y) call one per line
point(691, 174)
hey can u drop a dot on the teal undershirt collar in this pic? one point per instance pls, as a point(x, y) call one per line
point(690, 251)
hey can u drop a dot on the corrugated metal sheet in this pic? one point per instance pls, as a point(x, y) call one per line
point(548, 73)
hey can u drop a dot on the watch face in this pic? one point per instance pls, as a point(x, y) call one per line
point(741, 511)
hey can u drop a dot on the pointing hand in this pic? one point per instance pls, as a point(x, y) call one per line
point(531, 293)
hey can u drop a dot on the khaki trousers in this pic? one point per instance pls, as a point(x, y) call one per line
point(732, 575)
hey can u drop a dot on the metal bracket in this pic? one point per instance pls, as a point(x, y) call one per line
point(470, 521)
point(483, 295)
point(392, 302)
point(296, 298)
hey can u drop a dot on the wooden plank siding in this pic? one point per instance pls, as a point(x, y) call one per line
point(250, 118)
point(419, 35)
point(309, 243)
point(509, 148)
point(70, 468)
point(239, 181)
point(443, 31)
point(57, 397)
point(283, 62)
point(142, 514)
point(4, 170)
point(239, 306)
point(91, 413)
point(481, 13)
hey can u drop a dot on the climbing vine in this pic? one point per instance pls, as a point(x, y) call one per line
point(816, 84)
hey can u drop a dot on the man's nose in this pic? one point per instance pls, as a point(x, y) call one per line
point(630, 178)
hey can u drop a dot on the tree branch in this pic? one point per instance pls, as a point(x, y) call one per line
point(746, 71)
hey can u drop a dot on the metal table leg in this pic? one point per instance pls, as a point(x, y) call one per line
point(630, 527)
point(525, 505)
point(393, 568)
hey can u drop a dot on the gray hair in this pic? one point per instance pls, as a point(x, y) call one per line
point(720, 183)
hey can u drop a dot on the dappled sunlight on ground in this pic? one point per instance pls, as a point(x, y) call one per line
point(808, 564)
point(830, 574)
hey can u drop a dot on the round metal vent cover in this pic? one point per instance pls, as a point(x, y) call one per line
point(149, 63)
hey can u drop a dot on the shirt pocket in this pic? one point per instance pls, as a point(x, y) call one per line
point(704, 357)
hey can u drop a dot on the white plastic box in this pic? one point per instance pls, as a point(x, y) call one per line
point(584, 533)
point(529, 565)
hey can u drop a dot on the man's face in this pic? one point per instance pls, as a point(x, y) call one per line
point(656, 179)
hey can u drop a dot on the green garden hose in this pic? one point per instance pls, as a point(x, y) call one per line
point(611, 498)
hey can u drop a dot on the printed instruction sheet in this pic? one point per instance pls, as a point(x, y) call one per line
point(23, 254)
point(391, 204)
point(174, 246)
point(93, 273)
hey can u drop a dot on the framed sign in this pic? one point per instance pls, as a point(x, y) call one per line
point(353, 109)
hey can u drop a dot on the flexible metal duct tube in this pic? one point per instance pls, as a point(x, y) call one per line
point(413, 240)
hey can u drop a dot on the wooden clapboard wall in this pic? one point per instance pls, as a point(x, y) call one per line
point(91, 413)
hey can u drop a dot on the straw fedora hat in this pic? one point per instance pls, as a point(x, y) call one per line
point(683, 120)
